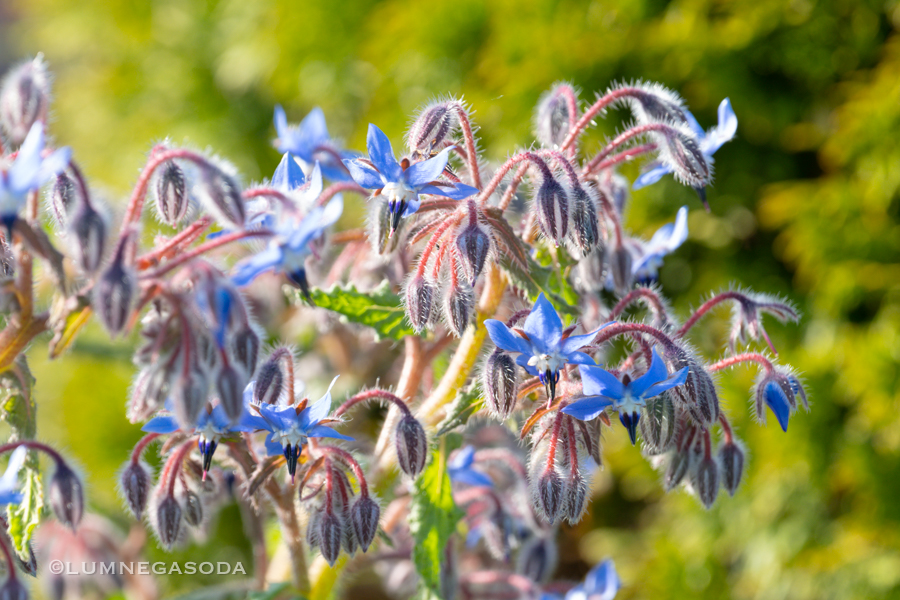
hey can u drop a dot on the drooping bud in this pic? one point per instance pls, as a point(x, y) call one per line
point(330, 533)
point(698, 394)
point(458, 304)
point(706, 481)
point(24, 99)
point(552, 207)
point(190, 394)
point(676, 469)
point(586, 231)
point(550, 488)
point(776, 390)
point(66, 496)
point(658, 423)
point(269, 382)
point(230, 389)
point(114, 293)
point(651, 102)
point(171, 194)
point(312, 528)
point(168, 521)
point(411, 445)
point(136, 483)
point(13, 589)
point(383, 240)
point(420, 292)
point(620, 262)
point(592, 270)
point(537, 559)
point(500, 384)
point(364, 515)
point(245, 349)
point(731, 465)
point(435, 124)
point(473, 244)
point(220, 195)
point(89, 232)
point(680, 150)
point(193, 509)
point(575, 500)
point(64, 197)
point(552, 117)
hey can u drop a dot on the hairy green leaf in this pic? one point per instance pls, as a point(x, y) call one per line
point(467, 402)
point(380, 309)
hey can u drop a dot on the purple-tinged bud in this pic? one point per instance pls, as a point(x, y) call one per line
point(190, 394)
point(151, 388)
point(698, 394)
point(586, 230)
point(552, 207)
point(313, 527)
point(136, 481)
point(575, 500)
point(171, 194)
point(458, 304)
point(114, 293)
point(245, 349)
point(680, 150)
point(411, 445)
point(364, 516)
point(66, 496)
point(593, 270)
point(651, 102)
point(550, 489)
point(269, 382)
point(89, 231)
point(220, 195)
point(731, 465)
point(500, 384)
point(617, 188)
point(168, 521)
point(24, 98)
point(348, 536)
point(620, 262)
point(473, 245)
point(435, 124)
point(551, 119)
point(230, 389)
point(676, 470)
point(64, 197)
point(537, 559)
point(193, 509)
point(658, 424)
point(330, 534)
point(384, 241)
point(420, 292)
point(706, 481)
point(13, 589)
point(777, 390)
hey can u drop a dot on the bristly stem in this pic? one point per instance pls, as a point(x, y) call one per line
point(509, 164)
point(207, 247)
point(379, 395)
point(633, 133)
point(469, 136)
point(599, 163)
point(141, 446)
point(184, 237)
point(34, 446)
point(726, 428)
point(348, 459)
point(649, 295)
point(336, 188)
point(742, 358)
point(596, 108)
point(705, 308)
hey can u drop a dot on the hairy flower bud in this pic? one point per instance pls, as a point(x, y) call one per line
point(731, 465)
point(411, 445)
point(706, 481)
point(658, 423)
point(136, 481)
point(114, 293)
point(384, 241)
point(680, 149)
point(330, 534)
point(575, 499)
point(168, 521)
point(66, 496)
point(13, 589)
point(24, 98)
point(63, 197)
point(420, 292)
point(220, 195)
point(458, 304)
point(313, 528)
point(193, 509)
point(364, 515)
point(592, 270)
point(171, 194)
point(552, 206)
point(620, 262)
point(89, 232)
point(473, 245)
point(245, 349)
point(676, 470)
point(586, 230)
point(550, 488)
point(500, 384)
point(269, 382)
point(230, 389)
point(698, 394)
point(190, 394)
point(435, 124)
point(537, 559)
point(651, 102)
point(552, 117)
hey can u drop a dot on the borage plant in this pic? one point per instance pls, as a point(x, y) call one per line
point(532, 253)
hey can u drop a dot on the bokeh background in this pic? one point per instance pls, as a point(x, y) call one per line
point(805, 204)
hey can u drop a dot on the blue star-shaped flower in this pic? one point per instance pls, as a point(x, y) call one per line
point(9, 482)
point(540, 344)
point(402, 184)
point(310, 142)
point(647, 257)
point(212, 425)
point(603, 389)
point(289, 248)
point(601, 583)
point(460, 470)
point(289, 427)
point(28, 173)
point(710, 141)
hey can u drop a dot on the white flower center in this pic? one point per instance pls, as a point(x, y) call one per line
point(547, 362)
point(292, 436)
point(629, 404)
point(398, 192)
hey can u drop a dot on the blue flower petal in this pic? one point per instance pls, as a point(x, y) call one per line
point(247, 270)
point(273, 448)
point(288, 175)
point(317, 411)
point(656, 372)
point(54, 164)
point(505, 339)
point(462, 459)
point(9, 482)
point(281, 122)
point(161, 424)
point(600, 382)
point(723, 132)
point(470, 477)
point(587, 409)
point(677, 378)
point(364, 176)
point(23, 173)
point(543, 326)
point(580, 358)
point(323, 431)
point(522, 361)
point(778, 402)
point(575, 342)
point(455, 191)
point(313, 131)
point(422, 173)
point(382, 154)
point(602, 582)
point(651, 175)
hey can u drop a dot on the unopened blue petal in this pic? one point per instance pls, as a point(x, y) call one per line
point(651, 176)
point(505, 339)
point(587, 409)
point(600, 382)
point(778, 402)
point(382, 155)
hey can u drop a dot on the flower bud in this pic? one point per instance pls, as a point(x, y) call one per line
point(63, 198)
point(651, 102)
point(776, 390)
point(552, 206)
point(171, 194)
point(114, 293)
point(313, 528)
point(420, 301)
point(731, 465)
point(586, 230)
point(24, 99)
point(330, 533)
point(500, 384)
point(676, 469)
point(551, 119)
point(537, 559)
point(380, 224)
point(680, 149)
point(245, 349)
point(364, 515)
point(136, 483)
point(706, 481)
point(620, 262)
point(458, 304)
point(658, 423)
point(269, 382)
point(193, 509)
point(550, 488)
point(473, 244)
point(13, 589)
point(698, 394)
point(220, 195)
point(89, 231)
point(592, 270)
point(411, 444)
point(66, 496)
point(168, 521)
point(435, 124)
point(190, 394)
point(575, 499)
point(230, 389)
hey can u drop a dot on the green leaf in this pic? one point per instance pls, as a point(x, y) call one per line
point(536, 279)
point(380, 309)
point(433, 517)
point(467, 402)
point(24, 517)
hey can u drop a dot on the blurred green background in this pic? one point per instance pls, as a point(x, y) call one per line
point(805, 204)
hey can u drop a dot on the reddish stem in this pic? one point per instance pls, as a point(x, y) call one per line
point(170, 471)
point(595, 109)
point(186, 236)
point(599, 163)
point(470, 144)
point(141, 446)
point(741, 358)
point(336, 188)
point(632, 296)
point(705, 308)
point(372, 395)
point(632, 133)
point(726, 428)
point(207, 247)
point(348, 459)
point(34, 446)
